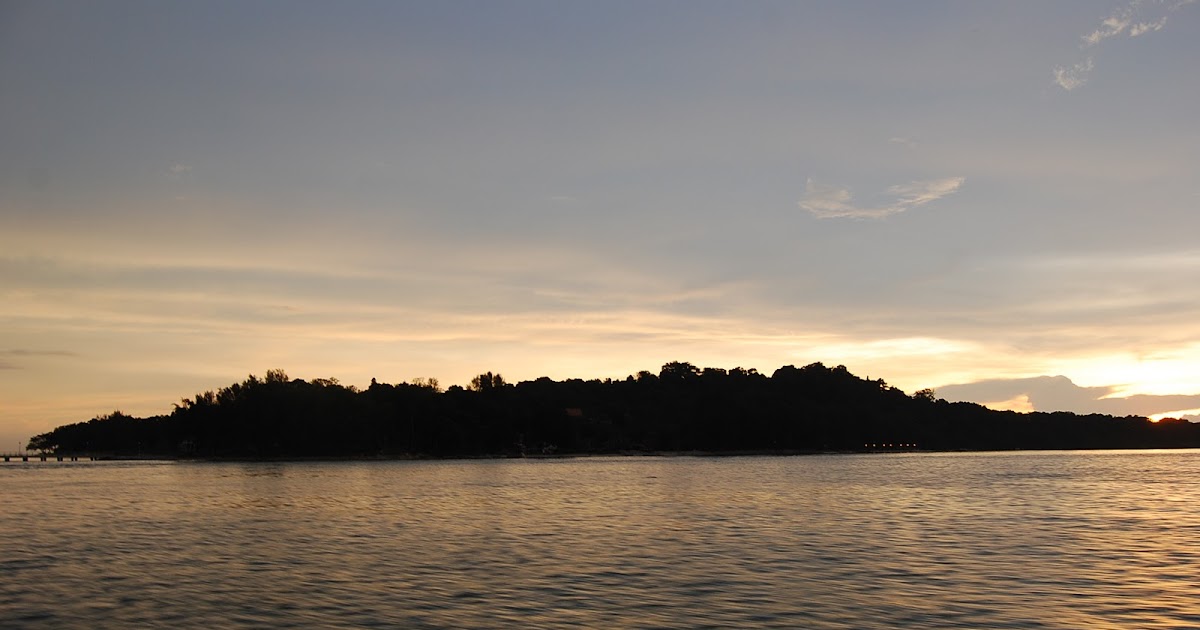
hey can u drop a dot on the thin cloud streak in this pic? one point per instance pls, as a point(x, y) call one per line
point(828, 202)
point(645, 318)
point(6, 355)
point(37, 353)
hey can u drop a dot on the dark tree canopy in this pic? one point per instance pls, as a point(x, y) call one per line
point(681, 409)
point(487, 382)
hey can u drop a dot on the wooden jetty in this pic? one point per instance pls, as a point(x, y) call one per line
point(44, 457)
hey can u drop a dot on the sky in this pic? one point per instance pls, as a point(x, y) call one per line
point(996, 200)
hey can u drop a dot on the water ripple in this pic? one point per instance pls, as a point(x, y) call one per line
point(1030, 540)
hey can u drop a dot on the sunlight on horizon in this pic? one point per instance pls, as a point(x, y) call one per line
point(1019, 404)
point(1169, 373)
point(1179, 413)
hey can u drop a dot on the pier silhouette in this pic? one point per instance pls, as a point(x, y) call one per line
point(44, 457)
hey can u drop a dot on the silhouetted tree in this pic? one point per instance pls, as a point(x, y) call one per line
point(678, 371)
point(926, 395)
point(487, 382)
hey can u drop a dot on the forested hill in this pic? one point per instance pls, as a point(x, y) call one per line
point(680, 409)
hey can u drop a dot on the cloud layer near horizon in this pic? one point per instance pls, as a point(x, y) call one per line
point(1058, 393)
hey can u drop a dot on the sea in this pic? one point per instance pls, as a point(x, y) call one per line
point(1078, 539)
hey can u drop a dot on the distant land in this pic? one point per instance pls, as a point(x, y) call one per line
point(680, 409)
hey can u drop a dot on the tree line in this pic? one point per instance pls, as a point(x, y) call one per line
point(682, 408)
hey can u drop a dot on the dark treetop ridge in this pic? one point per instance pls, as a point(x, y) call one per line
point(681, 409)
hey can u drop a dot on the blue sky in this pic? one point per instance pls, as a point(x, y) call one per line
point(972, 196)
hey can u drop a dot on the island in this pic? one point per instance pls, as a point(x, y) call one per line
point(681, 409)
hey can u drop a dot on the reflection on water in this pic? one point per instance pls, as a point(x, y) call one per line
point(1025, 540)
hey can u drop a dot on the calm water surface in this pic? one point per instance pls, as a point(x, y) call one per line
point(1013, 540)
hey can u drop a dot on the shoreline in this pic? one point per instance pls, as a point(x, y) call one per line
point(52, 458)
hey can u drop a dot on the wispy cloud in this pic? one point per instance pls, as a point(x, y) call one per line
point(1133, 19)
point(1112, 26)
point(828, 202)
point(1142, 28)
point(1071, 77)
